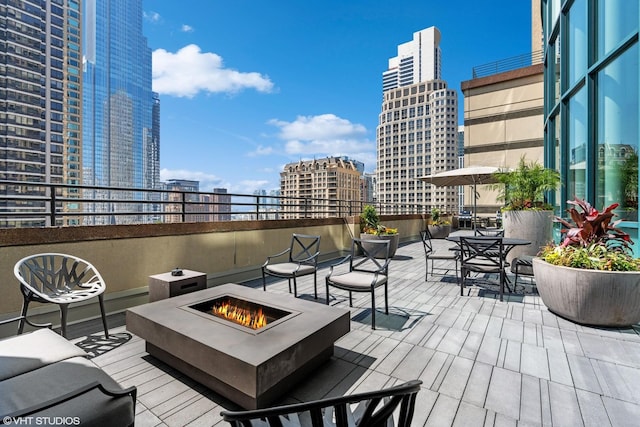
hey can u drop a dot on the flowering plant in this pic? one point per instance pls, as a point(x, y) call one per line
point(370, 223)
point(592, 241)
point(436, 218)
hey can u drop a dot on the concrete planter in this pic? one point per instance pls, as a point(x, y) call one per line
point(394, 240)
point(534, 226)
point(439, 231)
point(590, 297)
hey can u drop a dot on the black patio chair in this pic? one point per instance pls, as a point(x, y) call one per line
point(368, 270)
point(369, 409)
point(302, 260)
point(431, 254)
point(482, 254)
point(489, 231)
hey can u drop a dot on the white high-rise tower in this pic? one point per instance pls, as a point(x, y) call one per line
point(417, 130)
point(418, 61)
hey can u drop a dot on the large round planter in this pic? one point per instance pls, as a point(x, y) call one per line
point(439, 231)
point(534, 226)
point(394, 239)
point(590, 297)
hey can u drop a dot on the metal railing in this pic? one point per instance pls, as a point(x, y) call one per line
point(29, 204)
point(507, 64)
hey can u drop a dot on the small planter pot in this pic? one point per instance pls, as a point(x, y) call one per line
point(439, 231)
point(590, 297)
point(394, 240)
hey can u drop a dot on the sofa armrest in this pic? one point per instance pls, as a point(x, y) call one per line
point(131, 391)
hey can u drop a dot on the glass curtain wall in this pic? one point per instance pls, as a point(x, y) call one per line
point(591, 103)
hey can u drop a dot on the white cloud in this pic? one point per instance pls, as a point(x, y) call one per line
point(324, 126)
point(190, 71)
point(326, 135)
point(151, 16)
point(186, 28)
point(261, 151)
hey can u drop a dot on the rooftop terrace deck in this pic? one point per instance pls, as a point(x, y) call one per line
point(482, 362)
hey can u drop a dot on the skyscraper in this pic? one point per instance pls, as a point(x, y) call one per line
point(118, 104)
point(40, 86)
point(417, 130)
point(418, 61)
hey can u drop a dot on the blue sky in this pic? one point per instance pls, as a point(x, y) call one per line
point(249, 86)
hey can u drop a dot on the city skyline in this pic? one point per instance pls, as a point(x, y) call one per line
point(282, 87)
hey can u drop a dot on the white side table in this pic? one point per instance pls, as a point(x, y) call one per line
point(165, 285)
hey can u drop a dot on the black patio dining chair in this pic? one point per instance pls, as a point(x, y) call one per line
point(368, 409)
point(299, 259)
point(482, 254)
point(438, 254)
point(489, 231)
point(368, 270)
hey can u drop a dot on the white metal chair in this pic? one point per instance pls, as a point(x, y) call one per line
point(58, 279)
point(366, 272)
point(303, 259)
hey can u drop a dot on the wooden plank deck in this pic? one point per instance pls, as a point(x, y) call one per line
point(482, 362)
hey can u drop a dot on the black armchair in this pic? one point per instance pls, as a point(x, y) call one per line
point(368, 269)
point(431, 254)
point(374, 408)
point(302, 260)
point(482, 254)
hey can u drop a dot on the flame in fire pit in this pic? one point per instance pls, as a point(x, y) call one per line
point(253, 319)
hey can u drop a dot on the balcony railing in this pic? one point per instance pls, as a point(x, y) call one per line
point(29, 204)
point(507, 64)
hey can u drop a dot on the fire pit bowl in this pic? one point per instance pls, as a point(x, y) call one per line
point(251, 366)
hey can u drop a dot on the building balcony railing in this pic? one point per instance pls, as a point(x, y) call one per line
point(28, 204)
point(507, 64)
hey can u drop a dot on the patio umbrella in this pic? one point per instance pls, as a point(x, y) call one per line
point(472, 175)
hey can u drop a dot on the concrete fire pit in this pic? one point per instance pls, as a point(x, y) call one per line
point(251, 367)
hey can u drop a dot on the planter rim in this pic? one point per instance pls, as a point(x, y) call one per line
point(538, 259)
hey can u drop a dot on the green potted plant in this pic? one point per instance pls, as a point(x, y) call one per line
point(526, 214)
point(591, 277)
point(371, 229)
point(438, 226)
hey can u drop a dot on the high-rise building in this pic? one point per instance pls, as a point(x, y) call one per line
point(118, 133)
point(40, 92)
point(417, 127)
point(418, 61)
point(328, 187)
point(222, 204)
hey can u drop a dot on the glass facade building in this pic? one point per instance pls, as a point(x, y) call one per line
point(592, 102)
point(40, 111)
point(118, 134)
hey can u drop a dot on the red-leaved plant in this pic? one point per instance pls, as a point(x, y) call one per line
point(592, 242)
point(593, 227)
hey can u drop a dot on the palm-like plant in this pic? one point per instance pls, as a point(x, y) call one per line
point(524, 187)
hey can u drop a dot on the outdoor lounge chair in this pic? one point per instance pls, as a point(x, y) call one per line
point(371, 409)
point(303, 259)
point(58, 279)
point(366, 272)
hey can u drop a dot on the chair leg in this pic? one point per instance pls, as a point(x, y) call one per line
point(295, 287)
point(502, 279)
point(350, 300)
point(315, 285)
point(264, 281)
point(63, 319)
point(104, 317)
point(373, 310)
point(289, 281)
point(23, 313)
point(327, 289)
point(386, 299)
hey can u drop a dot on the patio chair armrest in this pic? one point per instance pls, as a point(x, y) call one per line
point(279, 254)
point(312, 257)
point(131, 391)
point(337, 264)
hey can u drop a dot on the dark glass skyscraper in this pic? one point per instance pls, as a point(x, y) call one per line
point(118, 104)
